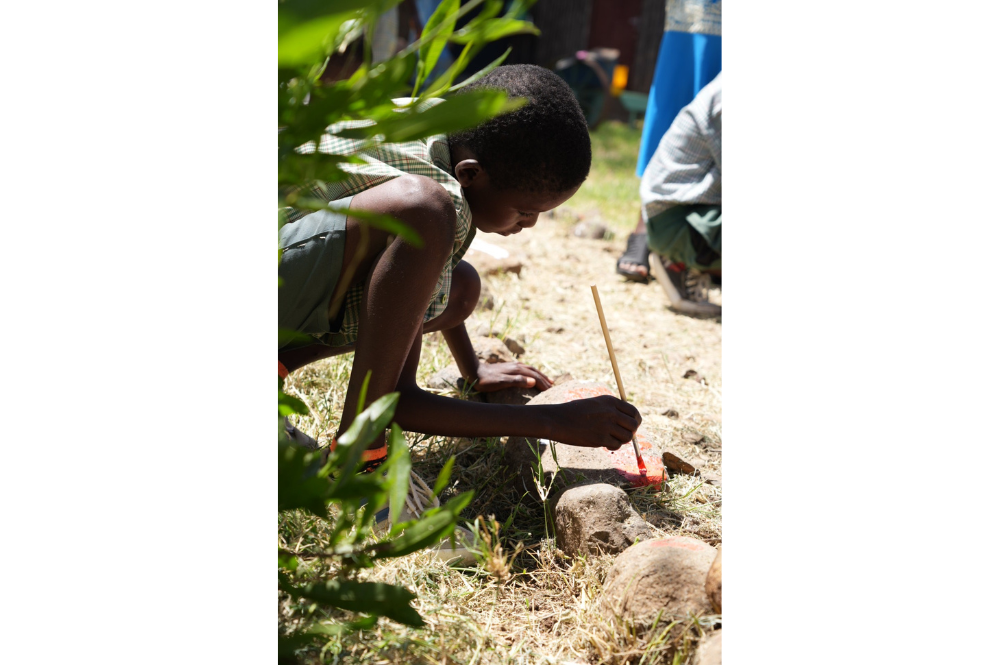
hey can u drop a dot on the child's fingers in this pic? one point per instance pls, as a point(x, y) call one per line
point(621, 433)
point(629, 411)
point(543, 382)
point(629, 423)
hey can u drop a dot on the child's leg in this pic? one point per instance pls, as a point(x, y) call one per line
point(399, 282)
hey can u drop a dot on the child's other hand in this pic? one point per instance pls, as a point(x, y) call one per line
point(596, 422)
point(497, 376)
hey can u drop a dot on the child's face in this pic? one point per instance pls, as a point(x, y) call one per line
point(509, 211)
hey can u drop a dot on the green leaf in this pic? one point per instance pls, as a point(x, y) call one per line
point(494, 30)
point(373, 419)
point(309, 42)
point(303, 169)
point(292, 13)
point(364, 392)
point(369, 597)
point(287, 336)
point(444, 476)
point(390, 225)
point(434, 526)
point(398, 472)
point(298, 485)
point(453, 114)
point(482, 72)
point(287, 561)
point(430, 51)
point(443, 82)
point(382, 222)
point(288, 405)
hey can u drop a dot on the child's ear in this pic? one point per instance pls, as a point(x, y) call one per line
point(469, 172)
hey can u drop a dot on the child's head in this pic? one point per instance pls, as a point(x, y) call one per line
point(519, 164)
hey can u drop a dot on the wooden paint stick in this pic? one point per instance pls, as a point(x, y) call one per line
point(614, 366)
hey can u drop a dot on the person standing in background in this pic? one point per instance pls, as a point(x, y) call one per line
point(690, 57)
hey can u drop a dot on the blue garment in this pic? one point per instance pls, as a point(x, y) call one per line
point(687, 62)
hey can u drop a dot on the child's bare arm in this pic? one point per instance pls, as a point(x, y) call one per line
point(600, 421)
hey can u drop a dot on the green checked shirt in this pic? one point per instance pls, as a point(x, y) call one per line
point(429, 157)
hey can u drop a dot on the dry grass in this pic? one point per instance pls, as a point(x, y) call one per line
point(546, 608)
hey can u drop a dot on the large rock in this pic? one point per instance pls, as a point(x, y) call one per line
point(578, 465)
point(449, 379)
point(713, 583)
point(515, 396)
point(655, 575)
point(709, 650)
point(596, 518)
point(491, 350)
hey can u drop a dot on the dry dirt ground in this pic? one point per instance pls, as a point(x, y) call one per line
point(527, 602)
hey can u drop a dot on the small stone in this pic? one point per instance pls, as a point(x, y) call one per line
point(713, 583)
point(657, 575)
point(597, 518)
point(671, 413)
point(709, 650)
point(694, 376)
point(554, 329)
point(514, 346)
point(491, 350)
point(593, 229)
point(675, 463)
point(692, 437)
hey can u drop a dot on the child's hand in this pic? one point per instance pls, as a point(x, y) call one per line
point(596, 422)
point(497, 376)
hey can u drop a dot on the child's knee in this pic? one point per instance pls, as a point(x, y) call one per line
point(465, 289)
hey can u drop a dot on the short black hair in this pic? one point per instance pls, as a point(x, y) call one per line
point(542, 146)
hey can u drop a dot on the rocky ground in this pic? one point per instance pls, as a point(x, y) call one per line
point(559, 579)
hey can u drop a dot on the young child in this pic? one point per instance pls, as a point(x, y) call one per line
point(357, 288)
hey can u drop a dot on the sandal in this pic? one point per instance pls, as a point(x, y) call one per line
point(636, 253)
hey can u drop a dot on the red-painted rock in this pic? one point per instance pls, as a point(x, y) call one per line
point(655, 575)
point(578, 465)
point(595, 519)
point(713, 583)
point(709, 650)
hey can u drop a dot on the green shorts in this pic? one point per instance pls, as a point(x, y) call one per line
point(311, 259)
point(688, 234)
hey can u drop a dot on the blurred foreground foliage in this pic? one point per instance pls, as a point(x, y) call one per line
point(329, 485)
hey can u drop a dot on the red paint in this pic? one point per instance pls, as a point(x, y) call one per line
point(625, 463)
point(624, 460)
